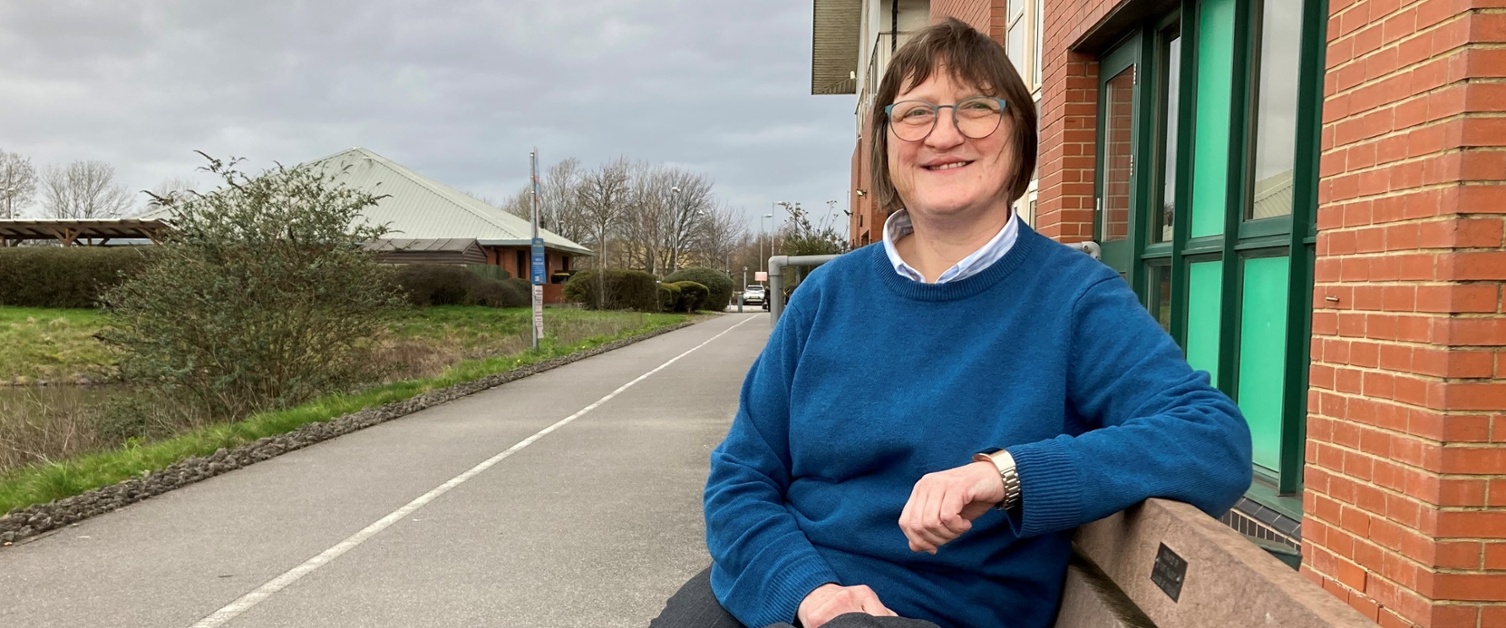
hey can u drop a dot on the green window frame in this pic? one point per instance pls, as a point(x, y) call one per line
point(1230, 242)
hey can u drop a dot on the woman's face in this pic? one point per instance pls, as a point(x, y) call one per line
point(947, 174)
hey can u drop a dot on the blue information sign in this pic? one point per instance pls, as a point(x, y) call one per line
point(538, 261)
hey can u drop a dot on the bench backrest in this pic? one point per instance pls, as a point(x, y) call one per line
point(1168, 565)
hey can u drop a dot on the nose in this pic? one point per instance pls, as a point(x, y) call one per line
point(945, 134)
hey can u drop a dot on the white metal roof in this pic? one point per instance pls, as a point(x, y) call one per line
point(417, 207)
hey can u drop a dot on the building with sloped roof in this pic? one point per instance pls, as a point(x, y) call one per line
point(433, 222)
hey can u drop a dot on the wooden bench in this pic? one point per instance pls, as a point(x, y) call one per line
point(1166, 564)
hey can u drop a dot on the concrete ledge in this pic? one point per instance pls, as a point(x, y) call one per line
point(1218, 578)
point(1091, 599)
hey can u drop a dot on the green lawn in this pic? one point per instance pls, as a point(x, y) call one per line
point(473, 342)
point(52, 345)
point(58, 345)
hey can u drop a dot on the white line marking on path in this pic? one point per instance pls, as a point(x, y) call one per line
point(230, 611)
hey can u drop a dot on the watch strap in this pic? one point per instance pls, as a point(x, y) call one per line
point(1008, 474)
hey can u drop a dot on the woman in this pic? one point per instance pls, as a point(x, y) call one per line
point(933, 417)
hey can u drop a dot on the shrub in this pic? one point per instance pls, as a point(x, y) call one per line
point(447, 284)
point(74, 276)
point(435, 284)
point(492, 293)
point(524, 287)
point(262, 296)
point(692, 296)
point(717, 282)
point(669, 297)
point(624, 290)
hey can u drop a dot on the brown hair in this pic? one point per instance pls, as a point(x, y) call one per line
point(974, 59)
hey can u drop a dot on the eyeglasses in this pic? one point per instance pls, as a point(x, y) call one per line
point(975, 118)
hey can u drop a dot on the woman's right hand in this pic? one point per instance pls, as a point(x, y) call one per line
point(831, 600)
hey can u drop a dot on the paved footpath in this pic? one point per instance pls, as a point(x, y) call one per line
point(428, 520)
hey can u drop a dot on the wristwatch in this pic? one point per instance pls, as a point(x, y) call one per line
point(1005, 464)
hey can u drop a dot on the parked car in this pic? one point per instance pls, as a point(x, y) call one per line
point(753, 294)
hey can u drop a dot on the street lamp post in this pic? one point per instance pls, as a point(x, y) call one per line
point(761, 232)
point(674, 198)
point(9, 196)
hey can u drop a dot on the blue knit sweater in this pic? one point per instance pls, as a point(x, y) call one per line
point(870, 381)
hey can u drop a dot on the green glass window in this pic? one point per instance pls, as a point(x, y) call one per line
point(1205, 289)
point(1170, 64)
point(1215, 98)
point(1262, 354)
point(1275, 115)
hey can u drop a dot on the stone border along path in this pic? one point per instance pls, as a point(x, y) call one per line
point(33, 520)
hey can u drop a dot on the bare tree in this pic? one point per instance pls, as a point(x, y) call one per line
point(18, 183)
point(170, 191)
point(519, 204)
point(559, 201)
point(602, 196)
point(688, 211)
point(84, 189)
point(644, 218)
point(722, 232)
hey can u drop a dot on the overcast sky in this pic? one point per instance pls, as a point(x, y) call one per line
point(459, 90)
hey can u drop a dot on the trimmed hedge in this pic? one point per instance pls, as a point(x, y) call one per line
point(625, 290)
point(445, 284)
point(669, 297)
point(719, 285)
point(692, 296)
point(73, 276)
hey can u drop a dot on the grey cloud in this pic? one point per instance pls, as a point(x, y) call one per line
point(458, 90)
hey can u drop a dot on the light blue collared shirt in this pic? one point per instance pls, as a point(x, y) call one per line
point(898, 226)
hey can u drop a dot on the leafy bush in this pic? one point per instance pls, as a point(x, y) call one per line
point(446, 284)
point(492, 293)
point(435, 284)
point(524, 287)
point(74, 276)
point(715, 281)
point(262, 296)
point(613, 290)
point(669, 297)
point(692, 296)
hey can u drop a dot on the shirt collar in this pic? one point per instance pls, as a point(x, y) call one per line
point(898, 226)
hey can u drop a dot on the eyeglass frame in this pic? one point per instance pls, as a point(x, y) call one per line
point(936, 111)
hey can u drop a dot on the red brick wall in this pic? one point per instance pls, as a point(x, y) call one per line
point(1068, 118)
point(1405, 502)
point(984, 15)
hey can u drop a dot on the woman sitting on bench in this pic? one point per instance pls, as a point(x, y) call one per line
point(933, 416)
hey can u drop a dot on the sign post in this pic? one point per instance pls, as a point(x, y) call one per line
point(538, 264)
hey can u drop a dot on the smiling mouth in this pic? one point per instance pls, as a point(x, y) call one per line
point(951, 166)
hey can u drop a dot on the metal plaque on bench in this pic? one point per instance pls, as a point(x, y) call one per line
point(1168, 572)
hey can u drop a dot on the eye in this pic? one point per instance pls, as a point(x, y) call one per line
point(981, 105)
point(911, 112)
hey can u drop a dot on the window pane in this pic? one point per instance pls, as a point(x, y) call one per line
point(1040, 38)
point(1159, 295)
point(1017, 46)
point(1276, 117)
point(1262, 355)
point(1015, 7)
point(1211, 146)
point(1171, 64)
point(1204, 290)
point(1119, 113)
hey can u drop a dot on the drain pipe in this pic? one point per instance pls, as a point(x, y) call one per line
point(776, 278)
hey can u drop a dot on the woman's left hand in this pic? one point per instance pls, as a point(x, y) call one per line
point(944, 504)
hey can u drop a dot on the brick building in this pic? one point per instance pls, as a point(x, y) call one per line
point(1310, 197)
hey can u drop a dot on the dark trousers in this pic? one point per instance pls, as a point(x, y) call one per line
point(695, 606)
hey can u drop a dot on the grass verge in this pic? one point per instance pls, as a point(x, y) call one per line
point(52, 345)
point(570, 332)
